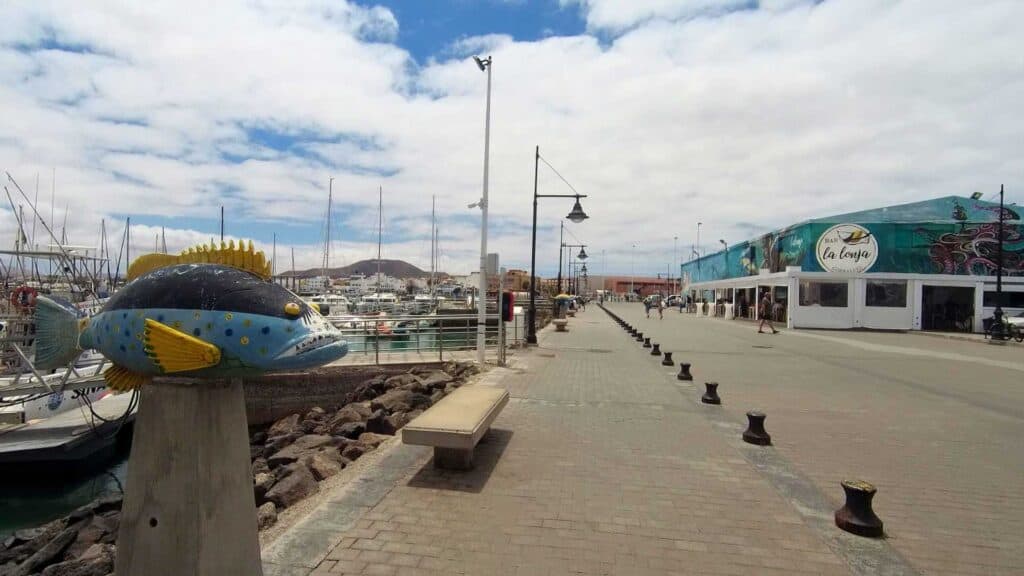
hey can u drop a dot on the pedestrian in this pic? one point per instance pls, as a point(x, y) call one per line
point(661, 309)
point(766, 314)
point(647, 307)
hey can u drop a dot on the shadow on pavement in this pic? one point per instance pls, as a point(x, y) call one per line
point(486, 457)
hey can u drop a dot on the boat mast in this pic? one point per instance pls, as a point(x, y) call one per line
point(380, 233)
point(433, 252)
point(327, 242)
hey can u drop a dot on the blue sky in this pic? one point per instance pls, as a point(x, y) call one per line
point(427, 28)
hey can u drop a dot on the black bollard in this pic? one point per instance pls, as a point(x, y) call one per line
point(684, 372)
point(711, 394)
point(667, 361)
point(639, 336)
point(856, 516)
point(656, 351)
point(647, 342)
point(755, 433)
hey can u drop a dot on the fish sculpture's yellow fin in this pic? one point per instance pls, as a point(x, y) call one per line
point(120, 379)
point(174, 351)
point(242, 257)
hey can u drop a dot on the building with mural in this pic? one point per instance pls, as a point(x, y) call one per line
point(928, 265)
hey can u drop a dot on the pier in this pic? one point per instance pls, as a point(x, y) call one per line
point(604, 462)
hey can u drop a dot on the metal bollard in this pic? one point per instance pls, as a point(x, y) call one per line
point(647, 342)
point(856, 516)
point(684, 372)
point(667, 361)
point(639, 336)
point(711, 393)
point(755, 433)
point(655, 351)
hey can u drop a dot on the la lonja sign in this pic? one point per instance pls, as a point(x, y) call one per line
point(849, 248)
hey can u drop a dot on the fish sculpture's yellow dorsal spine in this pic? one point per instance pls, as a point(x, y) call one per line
point(242, 257)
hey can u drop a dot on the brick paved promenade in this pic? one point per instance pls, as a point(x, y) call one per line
point(936, 424)
point(604, 463)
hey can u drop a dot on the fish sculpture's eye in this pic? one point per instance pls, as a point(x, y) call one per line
point(292, 309)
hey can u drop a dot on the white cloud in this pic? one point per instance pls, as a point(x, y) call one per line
point(618, 15)
point(745, 120)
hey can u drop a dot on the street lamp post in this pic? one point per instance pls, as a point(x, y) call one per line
point(675, 252)
point(481, 322)
point(576, 215)
point(632, 270)
point(698, 250)
point(997, 315)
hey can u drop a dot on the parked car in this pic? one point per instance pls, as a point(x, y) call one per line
point(673, 300)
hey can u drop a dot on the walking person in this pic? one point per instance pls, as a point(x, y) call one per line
point(647, 306)
point(661, 309)
point(765, 311)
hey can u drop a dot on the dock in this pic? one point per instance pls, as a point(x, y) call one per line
point(69, 437)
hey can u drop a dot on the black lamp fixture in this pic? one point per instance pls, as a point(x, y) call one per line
point(577, 215)
point(583, 253)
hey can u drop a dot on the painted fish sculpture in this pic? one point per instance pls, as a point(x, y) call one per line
point(207, 313)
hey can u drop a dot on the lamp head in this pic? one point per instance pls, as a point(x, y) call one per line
point(577, 214)
point(583, 253)
point(723, 243)
point(482, 63)
point(976, 196)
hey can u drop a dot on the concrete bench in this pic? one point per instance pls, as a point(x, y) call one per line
point(456, 423)
point(560, 324)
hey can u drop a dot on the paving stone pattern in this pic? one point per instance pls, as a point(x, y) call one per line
point(940, 438)
point(600, 464)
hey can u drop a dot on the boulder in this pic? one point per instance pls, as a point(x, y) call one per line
point(351, 430)
point(276, 443)
point(316, 413)
point(298, 449)
point(266, 515)
point(285, 425)
point(99, 528)
point(308, 426)
point(378, 423)
point(397, 420)
point(322, 466)
point(399, 401)
point(373, 440)
point(48, 553)
point(350, 413)
point(261, 484)
point(402, 381)
point(259, 465)
point(353, 451)
point(296, 483)
point(436, 379)
point(97, 561)
point(258, 438)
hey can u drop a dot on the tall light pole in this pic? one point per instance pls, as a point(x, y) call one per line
point(481, 321)
point(576, 215)
point(997, 315)
point(632, 270)
point(698, 249)
point(675, 252)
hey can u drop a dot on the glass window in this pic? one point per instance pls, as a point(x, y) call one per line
point(830, 294)
point(887, 294)
point(1010, 299)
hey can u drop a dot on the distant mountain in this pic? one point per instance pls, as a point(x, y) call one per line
point(393, 268)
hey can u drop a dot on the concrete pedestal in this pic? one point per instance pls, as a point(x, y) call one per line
point(189, 506)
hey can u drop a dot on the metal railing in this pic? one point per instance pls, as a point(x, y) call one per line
point(378, 339)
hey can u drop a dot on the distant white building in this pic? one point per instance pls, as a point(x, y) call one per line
point(367, 284)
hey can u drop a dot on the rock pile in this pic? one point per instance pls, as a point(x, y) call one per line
point(292, 455)
point(289, 459)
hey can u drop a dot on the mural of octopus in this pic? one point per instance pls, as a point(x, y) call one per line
point(974, 250)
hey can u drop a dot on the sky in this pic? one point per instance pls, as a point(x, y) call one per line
point(745, 115)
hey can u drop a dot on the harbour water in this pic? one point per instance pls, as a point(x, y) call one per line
point(33, 499)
